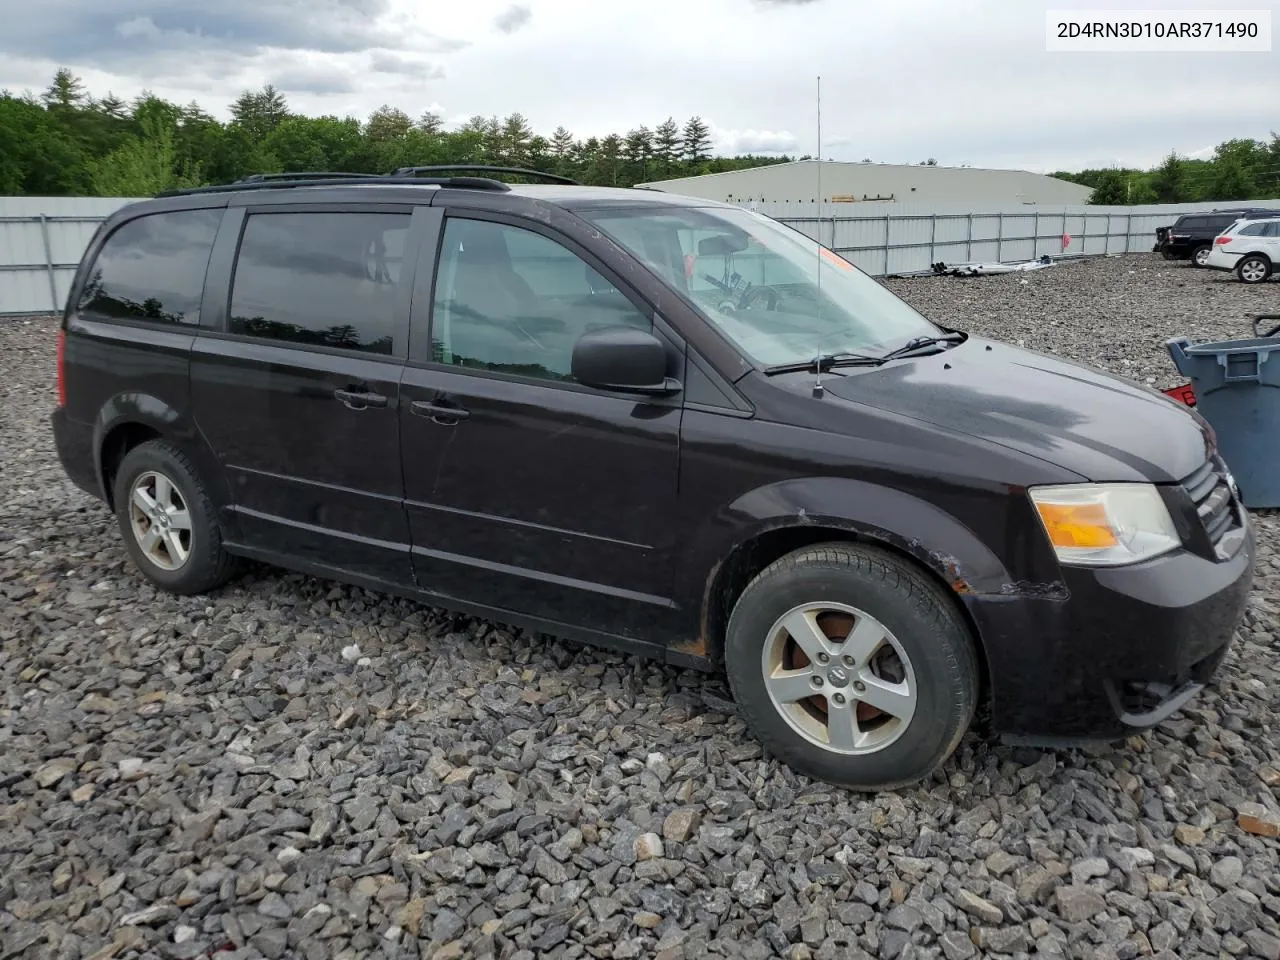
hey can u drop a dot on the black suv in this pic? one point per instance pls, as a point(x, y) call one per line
point(1191, 236)
point(662, 424)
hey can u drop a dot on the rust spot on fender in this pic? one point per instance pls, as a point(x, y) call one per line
point(951, 569)
point(697, 647)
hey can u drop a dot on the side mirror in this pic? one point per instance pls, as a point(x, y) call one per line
point(623, 359)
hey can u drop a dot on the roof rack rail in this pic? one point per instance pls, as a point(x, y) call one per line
point(373, 180)
point(303, 175)
point(478, 168)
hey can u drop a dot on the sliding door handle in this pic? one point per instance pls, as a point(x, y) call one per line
point(438, 412)
point(359, 400)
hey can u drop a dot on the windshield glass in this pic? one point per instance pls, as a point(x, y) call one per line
point(770, 289)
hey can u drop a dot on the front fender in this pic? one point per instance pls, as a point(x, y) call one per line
point(896, 518)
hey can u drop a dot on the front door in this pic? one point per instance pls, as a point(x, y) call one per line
point(297, 390)
point(525, 490)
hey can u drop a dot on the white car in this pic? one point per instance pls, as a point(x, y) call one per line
point(1249, 247)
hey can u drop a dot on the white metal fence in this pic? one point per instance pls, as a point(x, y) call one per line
point(896, 238)
point(42, 238)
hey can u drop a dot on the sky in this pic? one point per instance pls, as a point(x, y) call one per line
point(960, 81)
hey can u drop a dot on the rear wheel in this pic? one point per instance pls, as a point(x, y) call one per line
point(168, 521)
point(1253, 268)
point(1200, 256)
point(852, 667)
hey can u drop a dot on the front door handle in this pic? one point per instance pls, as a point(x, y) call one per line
point(359, 400)
point(438, 413)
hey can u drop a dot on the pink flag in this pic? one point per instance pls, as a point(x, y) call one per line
point(1066, 240)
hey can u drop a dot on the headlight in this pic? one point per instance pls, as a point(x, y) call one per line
point(1105, 524)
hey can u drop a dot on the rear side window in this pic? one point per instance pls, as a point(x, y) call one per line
point(325, 279)
point(152, 268)
point(1255, 230)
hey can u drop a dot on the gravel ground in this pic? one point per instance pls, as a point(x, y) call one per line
point(295, 768)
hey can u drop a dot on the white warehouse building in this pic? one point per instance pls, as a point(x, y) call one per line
point(797, 182)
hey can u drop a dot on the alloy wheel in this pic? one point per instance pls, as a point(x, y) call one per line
point(839, 677)
point(1253, 271)
point(160, 520)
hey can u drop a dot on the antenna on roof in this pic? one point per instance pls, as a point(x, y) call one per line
point(818, 388)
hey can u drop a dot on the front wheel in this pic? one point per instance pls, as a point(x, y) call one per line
point(1253, 268)
point(852, 667)
point(1201, 256)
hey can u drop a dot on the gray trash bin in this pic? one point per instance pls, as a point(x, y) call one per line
point(1237, 388)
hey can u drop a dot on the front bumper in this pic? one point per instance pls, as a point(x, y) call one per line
point(1110, 651)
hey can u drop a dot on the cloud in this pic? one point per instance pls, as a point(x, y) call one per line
point(754, 141)
point(512, 19)
point(145, 37)
point(313, 78)
point(385, 62)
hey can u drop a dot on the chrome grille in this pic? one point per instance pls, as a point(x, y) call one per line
point(1211, 493)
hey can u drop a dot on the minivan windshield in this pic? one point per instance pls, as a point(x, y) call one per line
point(777, 294)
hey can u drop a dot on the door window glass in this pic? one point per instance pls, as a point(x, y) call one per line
point(152, 268)
point(327, 279)
point(1253, 230)
point(515, 301)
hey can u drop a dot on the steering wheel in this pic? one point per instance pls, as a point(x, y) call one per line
point(751, 294)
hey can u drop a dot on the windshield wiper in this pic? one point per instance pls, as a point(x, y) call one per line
point(825, 361)
point(919, 343)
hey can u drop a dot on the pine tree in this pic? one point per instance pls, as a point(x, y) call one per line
point(697, 141)
point(636, 152)
point(66, 90)
point(112, 106)
point(431, 123)
point(516, 135)
point(666, 145)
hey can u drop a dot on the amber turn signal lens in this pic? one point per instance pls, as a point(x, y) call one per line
point(1077, 524)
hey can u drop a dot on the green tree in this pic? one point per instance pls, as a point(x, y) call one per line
point(515, 138)
point(697, 141)
point(258, 112)
point(666, 147)
point(1168, 181)
point(143, 166)
point(1111, 189)
point(66, 90)
point(388, 123)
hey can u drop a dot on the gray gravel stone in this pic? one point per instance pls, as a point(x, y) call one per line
point(215, 764)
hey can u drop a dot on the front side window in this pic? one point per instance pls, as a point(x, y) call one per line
point(514, 301)
point(324, 279)
point(780, 296)
point(152, 268)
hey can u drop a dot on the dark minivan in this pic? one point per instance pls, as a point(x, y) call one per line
point(661, 424)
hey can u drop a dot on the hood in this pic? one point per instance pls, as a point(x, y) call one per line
point(1103, 427)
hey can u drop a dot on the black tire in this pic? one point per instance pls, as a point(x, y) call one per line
point(1199, 254)
point(207, 565)
point(1254, 261)
point(918, 615)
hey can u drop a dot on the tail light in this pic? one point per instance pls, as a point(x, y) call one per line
point(1222, 239)
point(62, 379)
